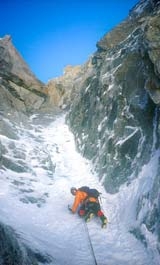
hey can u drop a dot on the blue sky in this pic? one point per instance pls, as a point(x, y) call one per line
point(51, 34)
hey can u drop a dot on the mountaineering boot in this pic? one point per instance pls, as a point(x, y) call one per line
point(89, 217)
point(104, 221)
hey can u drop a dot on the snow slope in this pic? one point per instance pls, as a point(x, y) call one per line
point(35, 202)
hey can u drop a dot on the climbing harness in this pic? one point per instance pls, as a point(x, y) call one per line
point(90, 242)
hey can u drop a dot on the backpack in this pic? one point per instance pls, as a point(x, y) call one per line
point(91, 192)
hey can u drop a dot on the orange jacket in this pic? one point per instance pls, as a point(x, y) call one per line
point(79, 198)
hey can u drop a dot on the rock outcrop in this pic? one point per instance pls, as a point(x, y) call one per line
point(62, 90)
point(113, 113)
point(19, 88)
point(14, 251)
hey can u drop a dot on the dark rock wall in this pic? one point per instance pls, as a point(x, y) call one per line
point(113, 115)
point(14, 252)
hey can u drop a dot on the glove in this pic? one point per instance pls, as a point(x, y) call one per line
point(69, 208)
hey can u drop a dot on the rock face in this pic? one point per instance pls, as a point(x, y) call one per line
point(113, 114)
point(13, 251)
point(62, 90)
point(59, 89)
point(19, 88)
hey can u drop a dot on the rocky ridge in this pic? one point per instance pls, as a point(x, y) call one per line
point(62, 90)
point(20, 89)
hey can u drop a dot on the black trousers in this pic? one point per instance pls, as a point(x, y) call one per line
point(89, 207)
point(93, 207)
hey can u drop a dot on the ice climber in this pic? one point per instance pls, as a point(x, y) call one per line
point(87, 205)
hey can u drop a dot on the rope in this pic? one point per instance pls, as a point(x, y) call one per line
point(90, 242)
